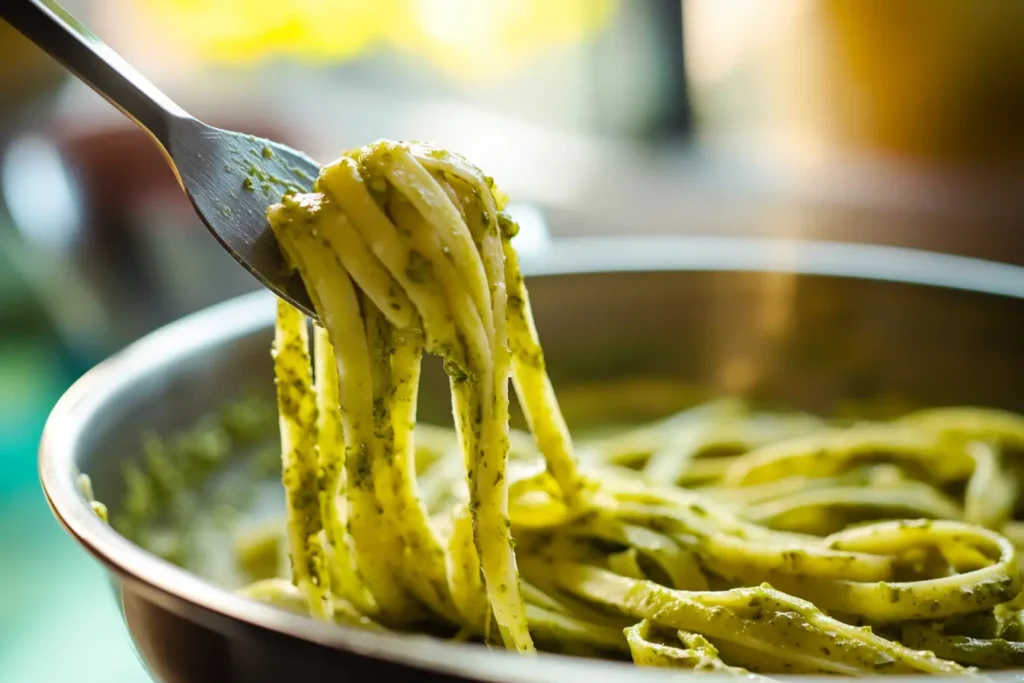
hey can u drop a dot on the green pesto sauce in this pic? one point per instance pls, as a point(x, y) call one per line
point(260, 552)
point(419, 269)
point(161, 486)
point(509, 228)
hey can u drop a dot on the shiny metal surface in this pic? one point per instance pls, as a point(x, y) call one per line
point(231, 178)
point(808, 325)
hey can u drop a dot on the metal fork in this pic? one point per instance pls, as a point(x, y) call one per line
point(230, 177)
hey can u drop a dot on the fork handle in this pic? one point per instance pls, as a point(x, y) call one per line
point(67, 40)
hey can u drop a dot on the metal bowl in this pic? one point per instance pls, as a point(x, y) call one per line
point(814, 326)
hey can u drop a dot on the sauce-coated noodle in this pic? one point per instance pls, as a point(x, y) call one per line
point(717, 540)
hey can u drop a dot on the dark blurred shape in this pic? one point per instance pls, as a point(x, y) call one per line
point(652, 28)
point(29, 77)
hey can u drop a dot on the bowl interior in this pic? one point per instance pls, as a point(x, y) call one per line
point(621, 344)
point(628, 346)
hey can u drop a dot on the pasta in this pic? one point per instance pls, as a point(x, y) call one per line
point(720, 539)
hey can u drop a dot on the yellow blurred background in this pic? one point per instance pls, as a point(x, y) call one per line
point(937, 82)
point(465, 38)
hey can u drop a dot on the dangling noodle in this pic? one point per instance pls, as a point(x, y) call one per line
point(717, 540)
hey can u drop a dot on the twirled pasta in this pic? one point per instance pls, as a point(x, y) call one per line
point(719, 539)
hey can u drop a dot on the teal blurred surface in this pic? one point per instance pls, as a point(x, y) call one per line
point(59, 621)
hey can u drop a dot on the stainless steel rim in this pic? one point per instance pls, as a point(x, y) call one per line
point(72, 415)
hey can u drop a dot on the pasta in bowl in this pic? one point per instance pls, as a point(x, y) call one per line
point(722, 538)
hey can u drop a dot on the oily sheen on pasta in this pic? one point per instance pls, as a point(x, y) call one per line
point(719, 539)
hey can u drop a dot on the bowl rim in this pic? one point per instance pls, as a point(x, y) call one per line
point(72, 415)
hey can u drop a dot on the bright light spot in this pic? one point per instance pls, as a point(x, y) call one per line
point(470, 39)
point(458, 22)
point(721, 35)
point(40, 194)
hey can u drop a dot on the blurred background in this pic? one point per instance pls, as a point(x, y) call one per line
point(856, 120)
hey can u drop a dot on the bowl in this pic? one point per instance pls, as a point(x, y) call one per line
point(816, 326)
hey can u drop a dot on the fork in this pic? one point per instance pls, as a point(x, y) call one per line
point(230, 177)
